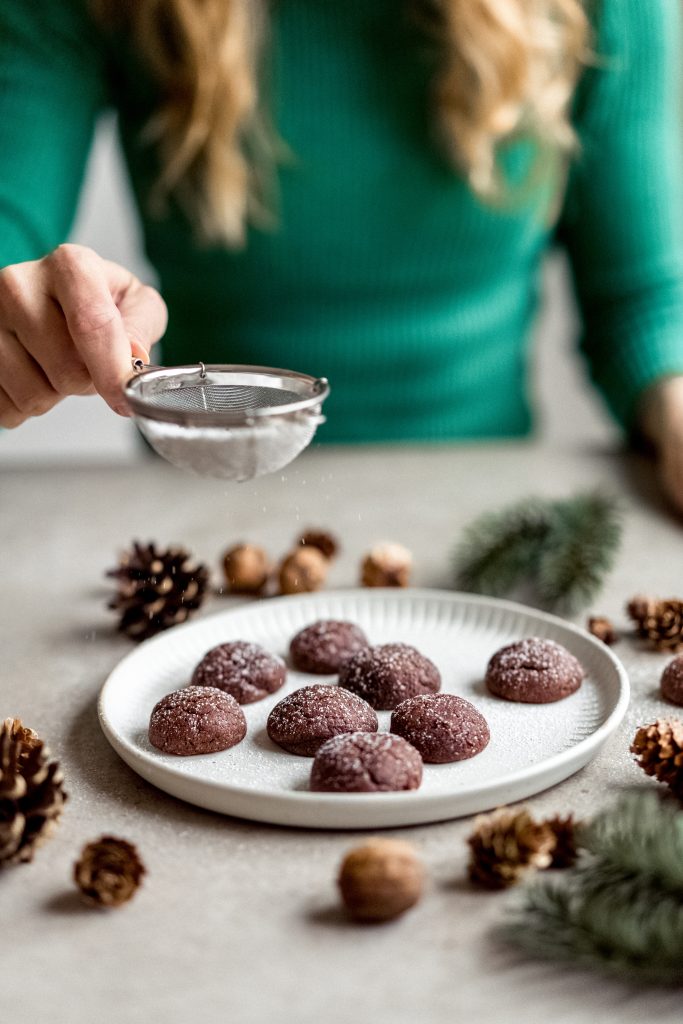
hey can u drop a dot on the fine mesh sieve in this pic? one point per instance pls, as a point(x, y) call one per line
point(233, 422)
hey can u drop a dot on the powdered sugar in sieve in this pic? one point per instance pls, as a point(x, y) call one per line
point(232, 422)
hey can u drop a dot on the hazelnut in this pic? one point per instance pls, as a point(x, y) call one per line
point(303, 570)
point(325, 542)
point(381, 879)
point(387, 565)
point(246, 569)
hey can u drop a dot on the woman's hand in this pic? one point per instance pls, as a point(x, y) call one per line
point(661, 422)
point(69, 325)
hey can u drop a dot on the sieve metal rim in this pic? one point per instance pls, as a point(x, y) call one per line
point(314, 392)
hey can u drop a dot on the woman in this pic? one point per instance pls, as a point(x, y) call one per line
point(360, 189)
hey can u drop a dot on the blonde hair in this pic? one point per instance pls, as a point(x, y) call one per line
point(505, 68)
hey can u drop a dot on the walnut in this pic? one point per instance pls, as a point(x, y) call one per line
point(381, 879)
point(303, 570)
point(387, 565)
point(246, 568)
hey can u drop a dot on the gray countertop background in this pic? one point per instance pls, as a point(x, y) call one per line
point(239, 921)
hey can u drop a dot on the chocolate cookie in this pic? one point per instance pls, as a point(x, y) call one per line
point(196, 720)
point(388, 674)
point(366, 762)
point(302, 721)
point(533, 671)
point(321, 647)
point(672, 681)
point(441, 726)
point(244, 670)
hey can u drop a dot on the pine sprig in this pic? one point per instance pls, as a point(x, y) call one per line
point(499, 549)
point(602, 918)
point(642, 834)
point(562, 548)
point(578, 552)
point(621, 909)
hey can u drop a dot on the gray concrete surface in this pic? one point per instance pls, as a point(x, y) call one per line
point(236, 921)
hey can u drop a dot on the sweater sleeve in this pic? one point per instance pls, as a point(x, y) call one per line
point(623, 218)
point(52, 86)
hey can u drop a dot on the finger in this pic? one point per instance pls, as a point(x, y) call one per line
point(24, 382)
point(80, 286)
point(42, 331)
point(10, 416)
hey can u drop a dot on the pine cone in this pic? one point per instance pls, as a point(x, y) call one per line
point(507, 844)
point(31, 793)
point(108, 872)
point(156, 589)
point(565, 851)
point(659, 752)
point(658, 622)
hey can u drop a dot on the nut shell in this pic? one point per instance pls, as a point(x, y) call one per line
point(246, 569)
point(387, 565)
point(381, 879)
point(303, 571)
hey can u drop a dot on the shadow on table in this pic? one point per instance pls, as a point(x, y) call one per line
point(92, 765)
point(67, 903)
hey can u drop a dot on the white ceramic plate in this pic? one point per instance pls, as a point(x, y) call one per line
point(532, 746)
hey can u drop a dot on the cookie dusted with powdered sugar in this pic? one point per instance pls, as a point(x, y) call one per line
point(366, 762)
point(533, 671)
point(441, 726)
point(387, 674)
point(322, 647)
point(196, 720)
point(244, 670)
point(302, 721)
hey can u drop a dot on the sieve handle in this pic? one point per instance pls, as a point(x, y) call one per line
point(139, 367)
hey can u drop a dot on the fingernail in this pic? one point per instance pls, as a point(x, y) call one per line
point(138, 350)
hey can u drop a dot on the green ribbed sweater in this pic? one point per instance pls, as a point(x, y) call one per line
point(386, 274)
